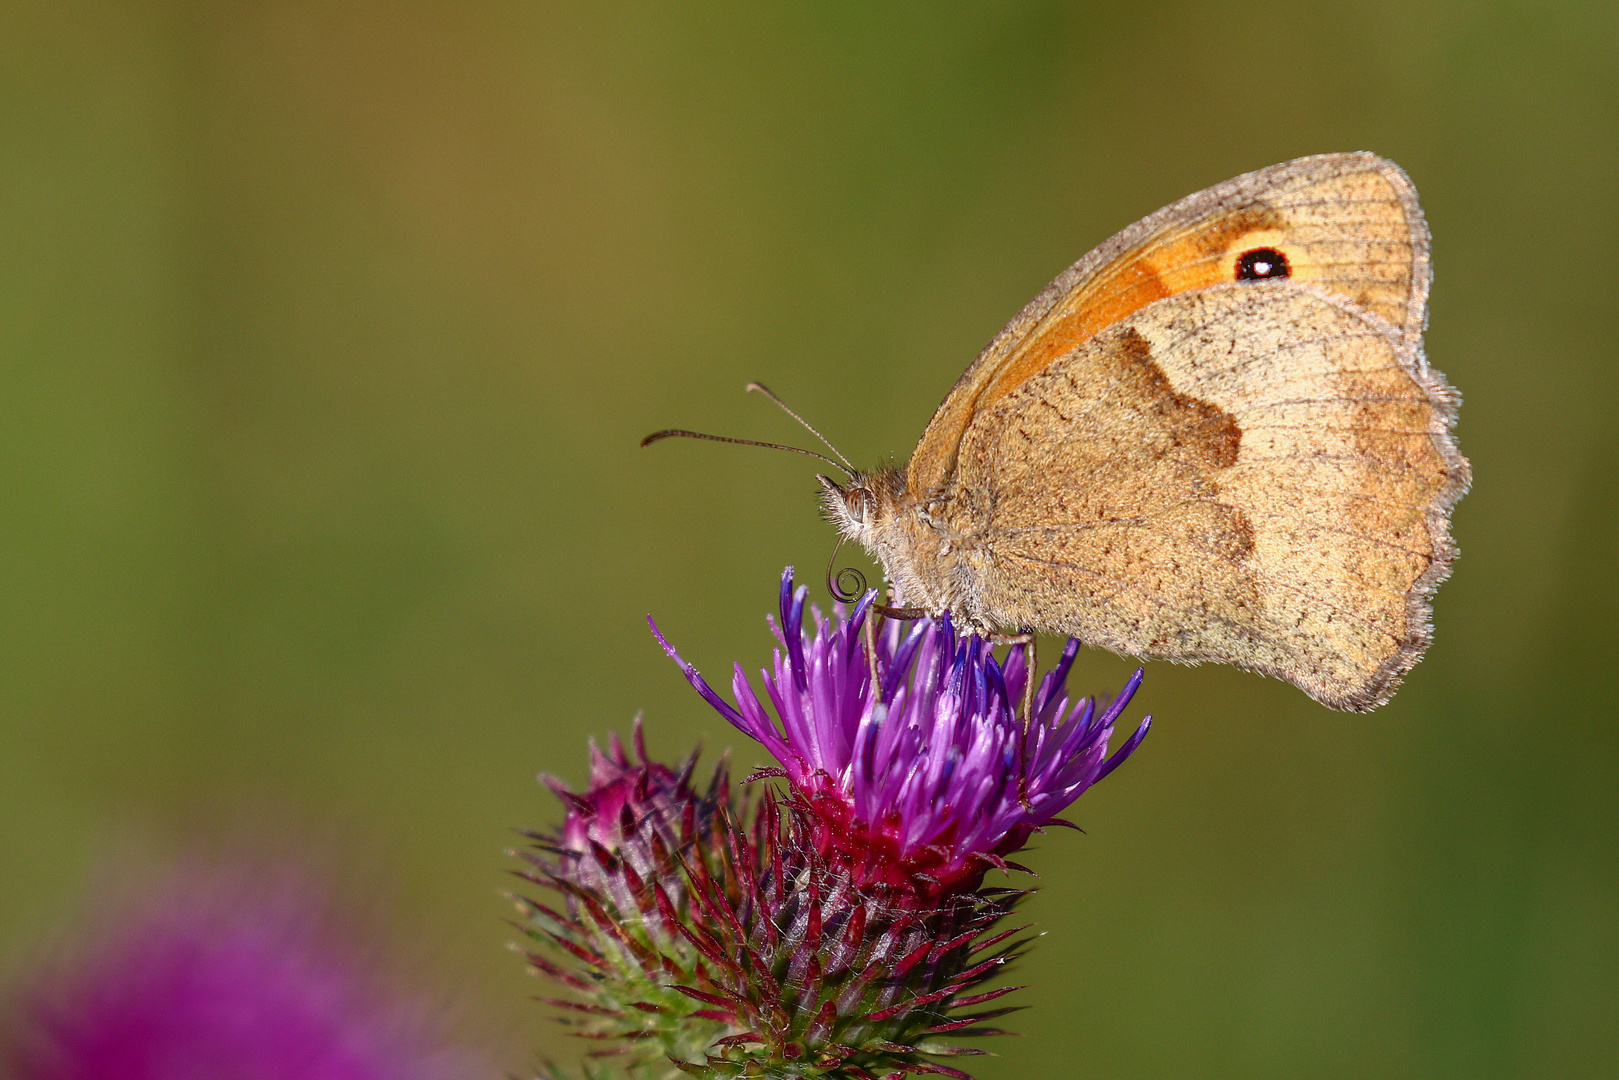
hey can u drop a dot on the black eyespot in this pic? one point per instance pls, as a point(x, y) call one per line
point(1262, 263)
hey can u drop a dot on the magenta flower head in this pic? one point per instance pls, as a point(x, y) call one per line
point(637, 809)
point(925, 779)
point(627, 933)
point(709, 933)
point(225, 976)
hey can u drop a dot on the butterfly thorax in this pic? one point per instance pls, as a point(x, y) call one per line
point(930, 563)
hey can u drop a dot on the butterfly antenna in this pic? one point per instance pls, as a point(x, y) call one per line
point(669, 433)
point(761, 388)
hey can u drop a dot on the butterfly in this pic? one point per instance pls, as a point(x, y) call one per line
point(1213, 438)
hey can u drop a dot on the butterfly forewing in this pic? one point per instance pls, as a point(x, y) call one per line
point(1348, 223)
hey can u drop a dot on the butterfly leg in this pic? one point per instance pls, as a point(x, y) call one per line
point(1025, 707)
point(873, 627)
point(871, 630)
point(883, 611)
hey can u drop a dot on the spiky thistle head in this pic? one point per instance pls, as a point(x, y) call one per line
point(713, 935)
point(622, 862)
point(922, 777)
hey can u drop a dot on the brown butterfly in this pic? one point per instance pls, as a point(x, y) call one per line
point(1215, 437)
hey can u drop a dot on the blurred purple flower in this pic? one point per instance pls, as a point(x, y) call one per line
point(216, 977)
point(929, 781)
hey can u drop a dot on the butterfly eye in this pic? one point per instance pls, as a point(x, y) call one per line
point(1262, 263)
point(859, 502)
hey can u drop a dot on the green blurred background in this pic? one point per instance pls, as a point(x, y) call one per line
point(328, 331)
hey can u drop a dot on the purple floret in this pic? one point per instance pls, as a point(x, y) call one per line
point(931, 778)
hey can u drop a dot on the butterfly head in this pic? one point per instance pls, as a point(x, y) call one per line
point(875, 510)
point(863, 509)
point(851, 507)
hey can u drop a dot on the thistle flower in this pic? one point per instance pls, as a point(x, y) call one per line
point(712, 933)
point(839, 930)
point(925, 778)
point(623, 862)
point(219, 976)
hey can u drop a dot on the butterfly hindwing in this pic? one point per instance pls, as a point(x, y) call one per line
point(1257, 474)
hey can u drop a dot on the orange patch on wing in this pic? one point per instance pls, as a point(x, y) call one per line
point(1194, 259)
point(1135, 286)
